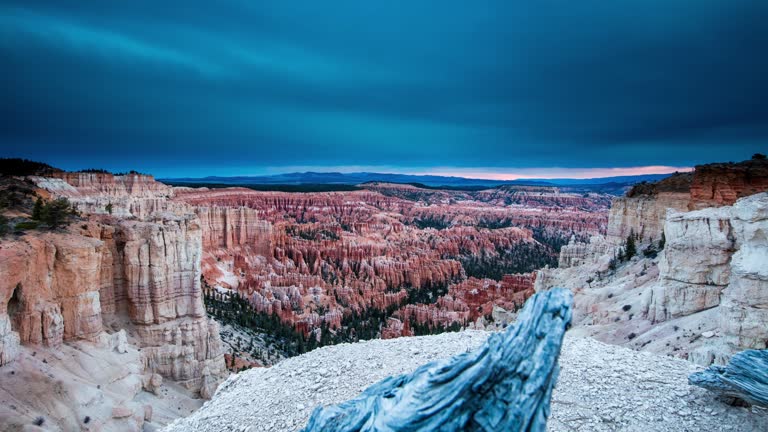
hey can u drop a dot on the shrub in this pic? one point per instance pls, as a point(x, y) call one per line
point(631, 336)
point(39, 421)
point(650, 252)
point(27, 225)
point(37, 211)
point(4, 228)
point(626, 307)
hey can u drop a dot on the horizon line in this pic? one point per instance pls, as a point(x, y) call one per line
point(479, 173)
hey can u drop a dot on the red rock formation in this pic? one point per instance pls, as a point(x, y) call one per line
point(645, 207)
point(227, 227)
point(108, 272)
point(721, 184)
point(294, 254)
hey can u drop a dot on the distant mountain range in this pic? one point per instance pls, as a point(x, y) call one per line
point(336, 178)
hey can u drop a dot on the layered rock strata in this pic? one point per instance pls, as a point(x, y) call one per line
point(142, 276)
point(125, 196)
point(722, 184)
point(137, 269)
point(703, 296)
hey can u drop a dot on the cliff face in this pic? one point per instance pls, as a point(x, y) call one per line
point(642, 215)
point(702, 298)
point(695, 263)
point(230, 227)
point(718, 260)
point(141, 276)
point(121, 292)
point(49, 289)
point(577, 253)
point(722, 184)
point(131, 196)
point(744, 304)
point(644, 209)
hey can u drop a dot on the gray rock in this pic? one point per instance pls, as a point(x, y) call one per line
point(744, 378)
point(506, 384)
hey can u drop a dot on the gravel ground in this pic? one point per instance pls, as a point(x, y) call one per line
point(601, 388)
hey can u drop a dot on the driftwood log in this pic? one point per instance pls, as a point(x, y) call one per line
point(745, 378)
point(505, 385)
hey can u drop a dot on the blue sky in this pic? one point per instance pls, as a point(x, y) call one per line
point(495, 88)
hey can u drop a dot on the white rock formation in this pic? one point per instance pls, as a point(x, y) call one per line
point(711, 278)
point(695, 263)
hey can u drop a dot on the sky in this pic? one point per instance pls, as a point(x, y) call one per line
point(494, 89)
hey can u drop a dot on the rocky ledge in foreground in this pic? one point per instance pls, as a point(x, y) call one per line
point(506, 384)
point(601, 388)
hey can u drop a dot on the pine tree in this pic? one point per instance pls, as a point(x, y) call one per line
point(631, 248)
point(37, 211)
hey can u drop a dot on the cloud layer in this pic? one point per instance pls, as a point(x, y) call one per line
point(181, 87)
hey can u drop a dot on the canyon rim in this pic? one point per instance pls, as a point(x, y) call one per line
point(306, 216)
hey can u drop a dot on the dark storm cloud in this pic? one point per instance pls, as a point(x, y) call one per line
point(173, 86)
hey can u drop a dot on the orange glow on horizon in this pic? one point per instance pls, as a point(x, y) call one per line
point(549, 173)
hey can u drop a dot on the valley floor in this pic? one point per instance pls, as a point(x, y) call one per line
point(601, 388)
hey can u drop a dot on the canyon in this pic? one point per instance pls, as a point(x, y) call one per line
point(425, 259)
point(152, 294)
point(116, 309)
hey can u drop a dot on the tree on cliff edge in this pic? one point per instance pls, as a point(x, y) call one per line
point(631, 248)
point(57, 212)
point(37, 211)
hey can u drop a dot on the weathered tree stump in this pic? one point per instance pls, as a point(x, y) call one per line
point(505, 385)
point(745, 378)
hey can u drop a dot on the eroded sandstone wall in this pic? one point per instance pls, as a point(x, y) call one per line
point(229, 227)
point(130, 196)
point(141, 272)
point(642, 215)
point(744, 302)
point(695, 265)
